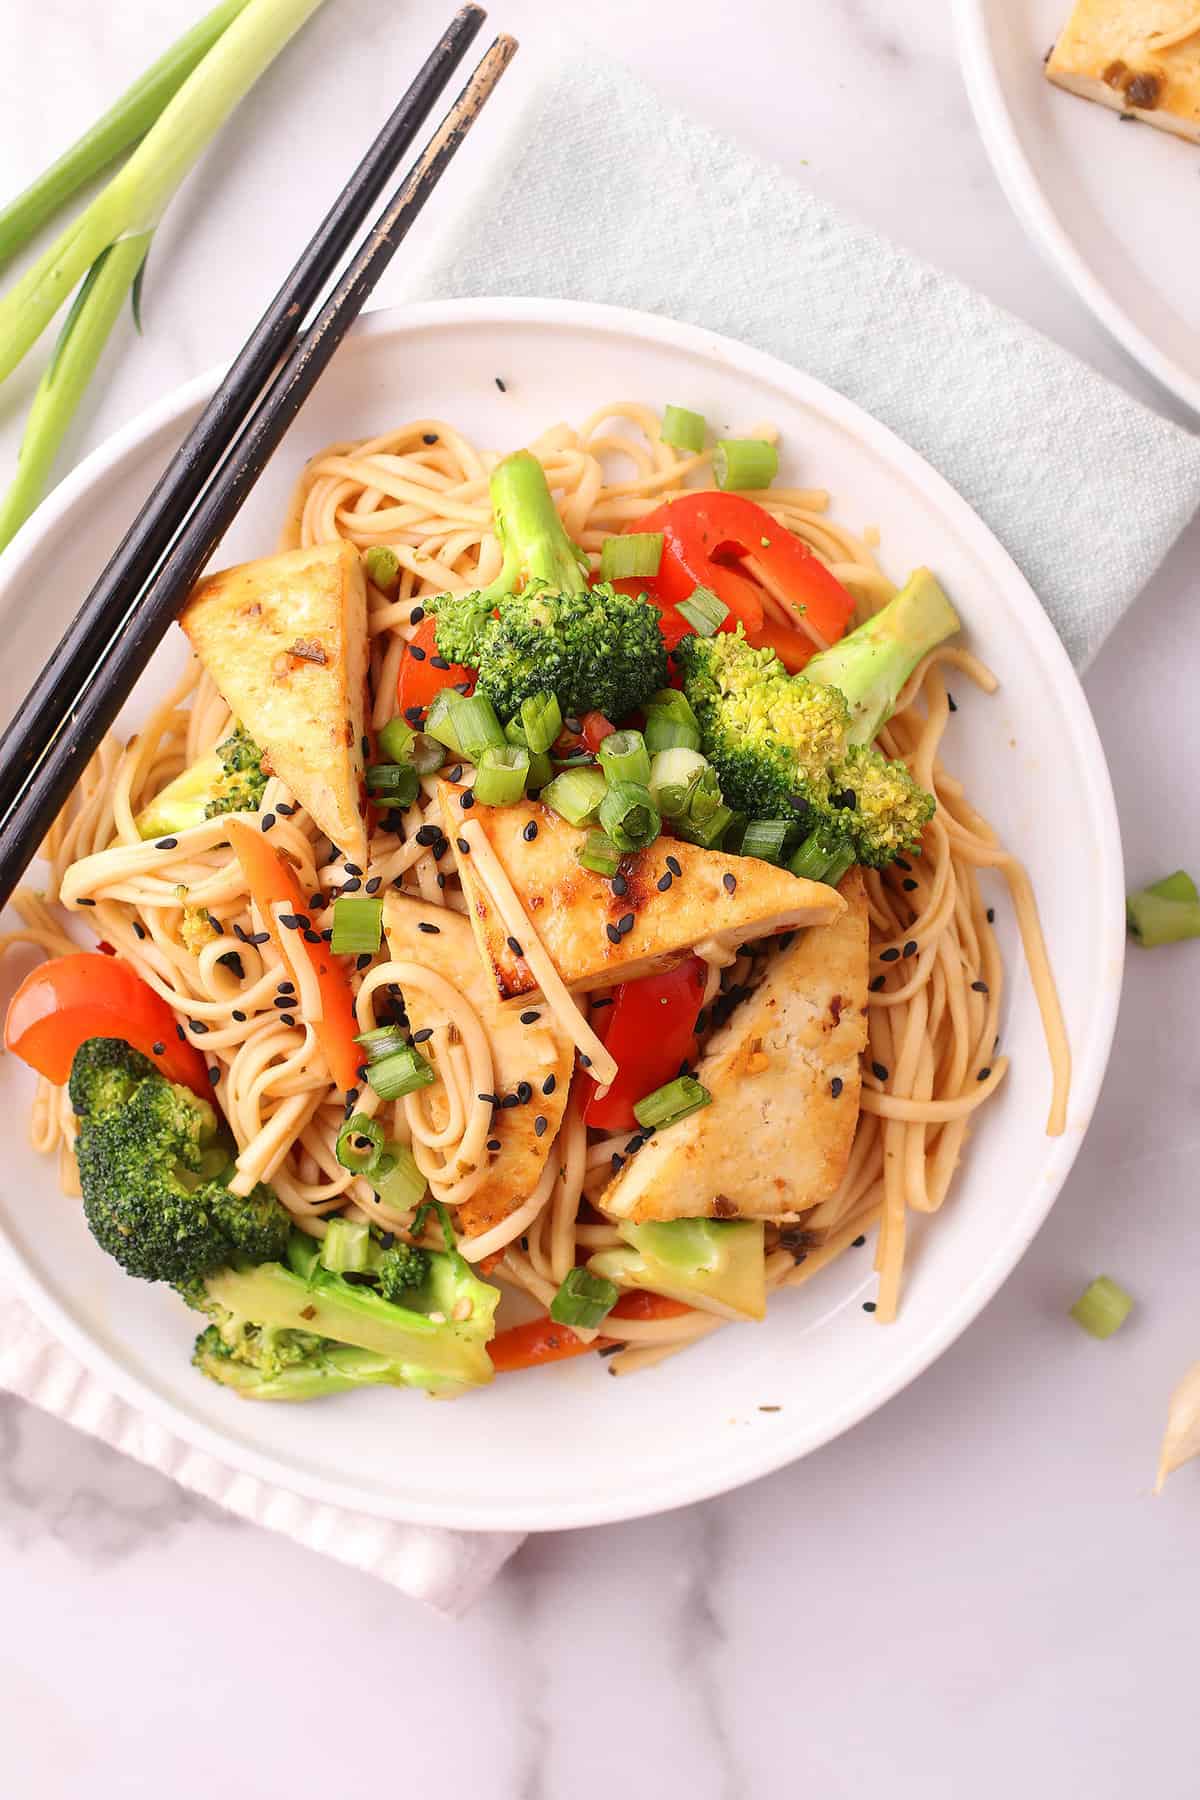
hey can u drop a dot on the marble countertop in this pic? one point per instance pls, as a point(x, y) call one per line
point(974, 1591)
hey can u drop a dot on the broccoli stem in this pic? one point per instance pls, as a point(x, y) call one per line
point(532, 537)
point(872, 664)
point(330, 1370)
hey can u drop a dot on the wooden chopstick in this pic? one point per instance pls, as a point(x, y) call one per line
point(85, 720)
point(69, 668)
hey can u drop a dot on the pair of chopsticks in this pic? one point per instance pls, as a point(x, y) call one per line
point(105, 649)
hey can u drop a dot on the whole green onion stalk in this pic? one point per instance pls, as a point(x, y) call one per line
point(197, 85)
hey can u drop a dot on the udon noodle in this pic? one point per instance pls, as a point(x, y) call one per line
point(183, 918)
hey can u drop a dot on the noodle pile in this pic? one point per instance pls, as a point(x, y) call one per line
point(182, 918)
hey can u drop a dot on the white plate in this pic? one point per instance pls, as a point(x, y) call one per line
point(567, 1446)
point(1110, 203)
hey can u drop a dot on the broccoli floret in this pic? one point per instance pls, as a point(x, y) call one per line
point(400, 1268)
point(539, 627)
point(799, 746)
point(229, 779)
point(152, 1166)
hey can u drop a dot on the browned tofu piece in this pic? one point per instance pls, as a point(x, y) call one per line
point(532, 1053)
point(580, 917)
point(1137, 56)
point(785, 1084)
point(285, 640)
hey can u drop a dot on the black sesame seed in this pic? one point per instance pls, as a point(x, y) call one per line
point(634, 1144)
point(423, 1036)
point(353, 869)
point(889, 956)
point(284, 1001)
point(524, 1093)
point(868, 1306)
point(364, 961)
point(597, 1004)
point(550, 1083)
point(951, 702)
point(530, 1018)
point(466, 799)
point(701, 1022)
point(614, 936)
point(438, 662)
point(835, 1086)
point(729, 883)
point(910, 949)
point(214, 1075)
point(416, 652)
point(267, 821)
point(625, 924)
point(489, 1099)
point(312, 937)
point(585, 1060)
point(514, 946)
point(908, 884)
point(501, 384)
point(290, 921)
point(351, 1099)
point(326, 935)
point(979, 987)
point(539, 1126)
point(83, 902)
point(374, 885)
point(160, 1049)
point(414, 714)
point(433, 930)
point(509, 1101)
point(455, 773)
point(139, 931)
point(878, 983)
point(664, 882)
point(493, 1143)
point(983, 1074)
point(991, 915)
point(239, 1016)
point(283, 807)
point(429, 437)
point(286, 987)
point(166, 843)
point(198, 1026)
point(530, 831)
point(902, 864)
point(879, 1071)
point(620, 886)
point(673, 865)
point(181, 1034)
point(858, 1242)
point(462, 846)
point(352, 886)
point(618, 1162)
point(286, 1019)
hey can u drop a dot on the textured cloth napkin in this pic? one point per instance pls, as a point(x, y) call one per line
point(589, 189)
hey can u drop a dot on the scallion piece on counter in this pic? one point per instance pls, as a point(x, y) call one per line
point(541, 769)
point(399, 1074)
point(541, 721)
point(346, 1246)
point(441, 721)
point(682, 429)
point(624, 757)
point(599, 854)
point(397, 1179)
point(631, 556)
point(383, 1041)
point(357, 925)
point(629, 816)
point(709, 832)
point(1167, 912)
point(765, 838)
point(741, 463)
point(383, 567)
point(359, 1144)
point(477, 726)
point(501, 775)
point(395, 784)
point(1102, 1308)
point(584, 1299)
point(576, 794)
point(703, 611)
point(668, 1105)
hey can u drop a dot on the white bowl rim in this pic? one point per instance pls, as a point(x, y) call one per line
point(1028, 200)
point(760, 1456)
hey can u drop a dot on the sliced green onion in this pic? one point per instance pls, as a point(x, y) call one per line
point(541, 769)
point(359, 1144)
point(599, 854)
point(1167, 912)
point(357, 925)
point(396, 740)
point(682, 429)
point(541, 721)
point(629, 815)
point(734, 835)
point(631, 556)
point(819, 860)
point(441, 721)
point(624, 757)
point(477, 726)
point(500, 775)
point(584, 1299)
point(665, 733)
point(1102, 1308)
point(667, 1105)
point(426, 754)
point(346, 1246)
point(383, 1041)
point(399, 1074)
point(672, 774)
point(396, 784)
point(740, 463)
point(765, 839)
point(397, 1179)
point(703, 611)
point(709, 832)
point(383, 567)
point(576, 794)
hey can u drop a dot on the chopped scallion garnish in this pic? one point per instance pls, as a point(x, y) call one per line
point(1102, 1308)
point(357, 925)
point(541, 769)
point(576, 794)
point(599, 854)
point(672, 775)
point(541, 721)
point(385, 1040)
point(441, 720)
point(397, 1179)
point(703, 611)
point(359, 1144)
point(501, 775)
point(631, 556)
point(741, 463)
point(399, 1074)
point(682, 429)
point(584, 1299)
point(709, 832)
point(624, 757)
point(765, 838)
point(477, 726)
point(629, 816)
point(346, 1246)
point(396, 784)
point(396, 739)
point(668, 1105)
point(670, 722)
point(820, 860)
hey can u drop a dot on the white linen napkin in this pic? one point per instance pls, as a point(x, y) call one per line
point(587, 187)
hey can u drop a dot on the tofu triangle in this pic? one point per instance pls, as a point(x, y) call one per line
point(596, 931)
point(285, 640)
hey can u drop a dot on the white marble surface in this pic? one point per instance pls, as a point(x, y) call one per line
point(974, 1590)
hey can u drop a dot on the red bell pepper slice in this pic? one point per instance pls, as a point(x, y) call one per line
point(420, 681)
point(650, 1029)
point(62, 1003)
point(595, 728)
